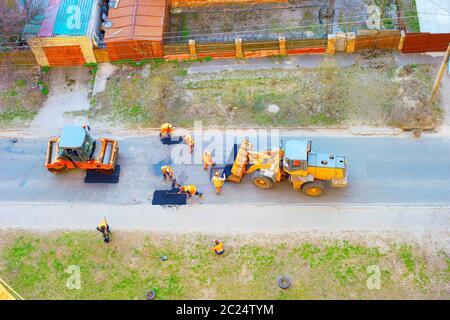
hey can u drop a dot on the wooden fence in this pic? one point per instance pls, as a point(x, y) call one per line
point(377, 39)
point(17, 58)
point(198, 3)
point(363, 39)
point(250, 49)
point(216, 50)
point(301, 46)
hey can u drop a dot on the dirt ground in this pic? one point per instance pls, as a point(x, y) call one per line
point(22, 93)
point(295, 19)
point(68, 98)
point(374, 92)
point(351, 15)
point(320, 265)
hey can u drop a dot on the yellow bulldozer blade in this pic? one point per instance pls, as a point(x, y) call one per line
point(238, 169)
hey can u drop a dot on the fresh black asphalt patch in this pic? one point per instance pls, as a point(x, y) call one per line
point(93, 176)
point(168, 197)
point(171, 140)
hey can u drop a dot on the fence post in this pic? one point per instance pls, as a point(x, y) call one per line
point(239, 48)
point(39, 54)
point(282, 46)
point(402, 40)
point(331, 45)
point(351, 42)
point(192, 50)
point(87, 50)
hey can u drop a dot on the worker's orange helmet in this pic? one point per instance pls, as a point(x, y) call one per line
point(216, 173)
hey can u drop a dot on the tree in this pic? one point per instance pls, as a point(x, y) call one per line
point(13, 18)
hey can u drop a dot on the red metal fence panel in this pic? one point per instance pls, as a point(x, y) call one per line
point(426, 42)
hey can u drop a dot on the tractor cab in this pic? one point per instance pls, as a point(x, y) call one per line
point(296, 155)
point(76, 144)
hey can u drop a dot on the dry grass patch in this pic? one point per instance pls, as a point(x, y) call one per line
point(22, 92)
point(374, 92)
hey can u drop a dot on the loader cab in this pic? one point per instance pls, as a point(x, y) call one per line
point(75, 144)
point(296, 155)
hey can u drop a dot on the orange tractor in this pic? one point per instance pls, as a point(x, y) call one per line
point(75, 148)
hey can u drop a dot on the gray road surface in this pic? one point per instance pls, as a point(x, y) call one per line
point(382, 170)
point(226, 218)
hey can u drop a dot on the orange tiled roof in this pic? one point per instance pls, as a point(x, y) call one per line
point(137, 20)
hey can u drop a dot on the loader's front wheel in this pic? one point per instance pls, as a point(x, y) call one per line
point(313, 188)
point(261, 181)
point(58, 170)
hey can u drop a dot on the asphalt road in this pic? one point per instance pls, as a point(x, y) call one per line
point(382, 170)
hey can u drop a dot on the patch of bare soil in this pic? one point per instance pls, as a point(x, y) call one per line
point(67, 99)
point(373, 92)
point(223, 23)
point(412, 109)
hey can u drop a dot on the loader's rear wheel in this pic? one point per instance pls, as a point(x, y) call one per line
point(58, 170)
point(261, 181)
point(313, 188)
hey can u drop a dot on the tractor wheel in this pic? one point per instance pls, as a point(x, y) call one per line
point(58, 170)
point(261, 181)
point(313, 188)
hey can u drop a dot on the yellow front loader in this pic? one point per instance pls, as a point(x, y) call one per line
point(308, 171)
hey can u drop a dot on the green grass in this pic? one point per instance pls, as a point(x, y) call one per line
point(36, 266)
point(184, 27)
point(16, 114)
point(411, 20)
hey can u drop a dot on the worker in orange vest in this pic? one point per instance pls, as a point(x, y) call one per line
point(190, 190)
point(167, 172)
point(189, 141)
point(207, 160)
point(218, 248)
point(103, 227)
point(166, 130)
point(218, 181)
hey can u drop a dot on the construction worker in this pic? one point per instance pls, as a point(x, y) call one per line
point(207, 160)
point(103, 227)
point(218, 248)
point(166, 130)
point(189, 141)
point(190, 190)
point(167, 172)
point(218, 181)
